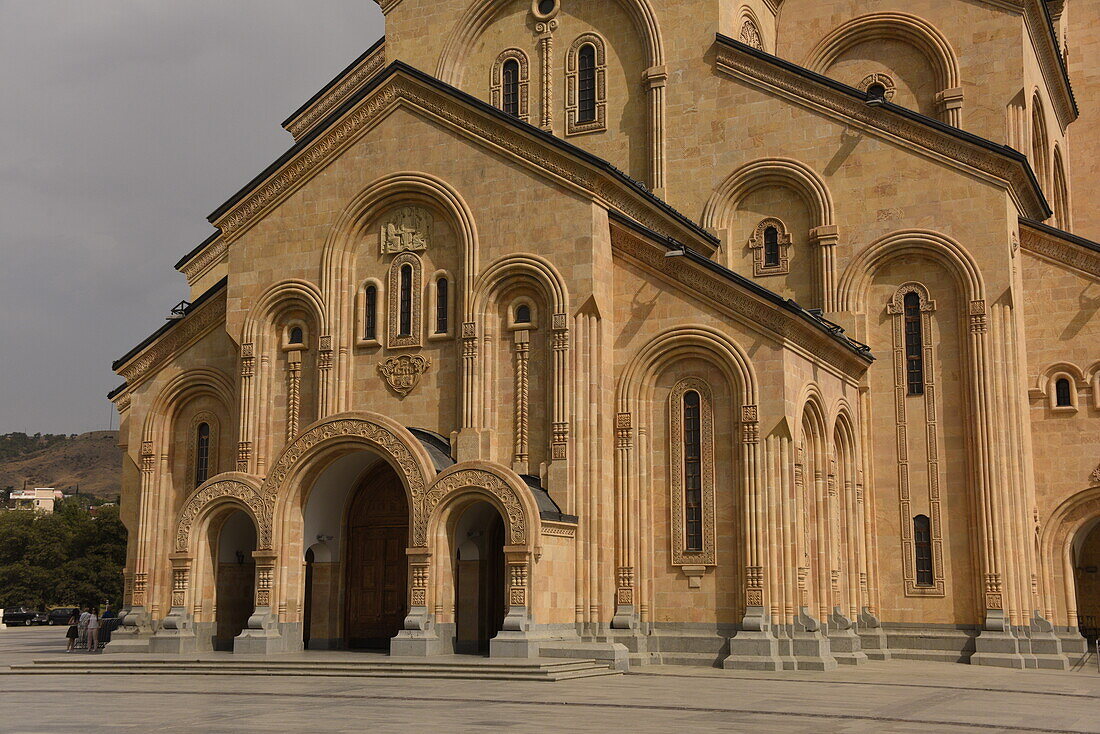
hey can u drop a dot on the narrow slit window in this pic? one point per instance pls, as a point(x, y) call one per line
point(441, 315)
point(370, 317)
point(202, 453)
point(922, 543)
point(586, 84)
point(510, 87)
point(771, 247)
point(405, 305)
point(1063, 395)
point(914, 345)
point(693, 473)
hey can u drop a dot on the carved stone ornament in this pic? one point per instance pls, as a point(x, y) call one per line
point(750, 35)
point(403, 373)
point(408, 229)
point(1095, 476)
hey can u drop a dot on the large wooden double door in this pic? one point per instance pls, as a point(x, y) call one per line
point(376, 564)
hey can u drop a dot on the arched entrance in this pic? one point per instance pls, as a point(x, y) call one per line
point(376, 566)
point(480, 599)
point(1086, 571)
point(232, 545)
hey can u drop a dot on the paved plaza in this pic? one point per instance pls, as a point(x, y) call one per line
point(898, 696)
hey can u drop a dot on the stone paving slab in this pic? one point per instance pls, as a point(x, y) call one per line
point(879, 697)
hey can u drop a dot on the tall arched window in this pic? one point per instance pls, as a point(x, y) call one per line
point(405, 301)
point(914, 345)
point(693, 473)
point(1063, 393)
point(586, 84)
point(370, 313)
point(771, 247)
point(202, 453)
point(441, 314)
point(922, 544)
point(510, 87)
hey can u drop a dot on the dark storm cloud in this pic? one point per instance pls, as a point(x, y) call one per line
point(124, 123)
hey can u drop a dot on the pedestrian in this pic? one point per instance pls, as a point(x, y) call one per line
point(74, 632)
point(93, 629)
point(107, 624)
point(83, 629)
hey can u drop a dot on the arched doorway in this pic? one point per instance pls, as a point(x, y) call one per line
point(480, 599)
point(1086, 571)
point(375, 602)
point(235, 577)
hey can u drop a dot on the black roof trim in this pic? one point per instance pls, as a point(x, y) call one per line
point(437, 446)
point(1061, 234)
point(545, 137)
point(210, 292)
point(114, 393)
point(929, 122)
point(202, 246)
point(1061, 59)
point(548, 508)
point(335, 80)
point(786, 304)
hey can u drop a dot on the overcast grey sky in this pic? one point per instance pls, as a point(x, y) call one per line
point(124, 123)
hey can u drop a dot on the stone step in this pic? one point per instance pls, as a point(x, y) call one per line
point(545, 671)
point(695, 659)
point(670, 642)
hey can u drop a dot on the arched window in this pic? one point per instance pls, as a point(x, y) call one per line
point(523, 314)
point(771, 247)
point(586, 84)
point(693, 473)
point(370, 313)
point(405, 301)
point(202, 453)
point(441, 314)
point(922, 544)
point(914, 345)
point(1063, 393)
point(297, 336)
point(510, 90)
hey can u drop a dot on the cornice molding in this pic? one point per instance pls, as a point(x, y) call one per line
point(727, 296)
point(1050, 60)
point(352, 81)
point(204, 260)
point(1060, 250)
point(387, 5)
point(942, 145)
point(505, 138)
point(189, 330)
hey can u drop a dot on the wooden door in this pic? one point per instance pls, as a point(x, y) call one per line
point(377, 566)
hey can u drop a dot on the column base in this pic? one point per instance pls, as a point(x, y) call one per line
point(844, 644)
point(422, 643)
point(753, 651)
point(626, 617)
point(175, 636)
point(514, 645)
point(997, 649)
point(810, 651)
point(133, 635)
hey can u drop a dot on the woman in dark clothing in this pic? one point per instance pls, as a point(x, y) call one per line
point(73, 633)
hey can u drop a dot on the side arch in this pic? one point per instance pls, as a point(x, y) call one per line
point(914, 30)
point(852, 289)
point(1056, 542)
point(787, 172)
point(496, 484)
point(179, 390)
point(230, 488)
point(533, 266)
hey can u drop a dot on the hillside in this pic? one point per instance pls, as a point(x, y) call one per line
point(91, 461)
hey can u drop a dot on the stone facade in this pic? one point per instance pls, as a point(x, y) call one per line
point(700, 332)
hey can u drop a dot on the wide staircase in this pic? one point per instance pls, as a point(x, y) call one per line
point(346, 666)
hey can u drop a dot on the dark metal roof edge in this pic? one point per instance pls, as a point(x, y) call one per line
point(1060, 234)
point(785, 303)
point(1061, 61)
point(396, 66)
point(117, 391)
point(929, 122)
point(335, 80)
point(195, 252)
point(559, 517)
point(206, 296)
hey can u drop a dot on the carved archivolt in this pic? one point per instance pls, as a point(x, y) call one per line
point(456, 483)
point(217, 491)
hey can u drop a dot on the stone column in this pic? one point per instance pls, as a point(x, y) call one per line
point(826, 238)
point(522, 349)
point(516, 638)
point(176, 634)
point(655, 79)
point(545, 31)
point(293, 393)
point(419, 636)
point(625, 611)
point(325, 363)
point(263, 633)
point(248, 400)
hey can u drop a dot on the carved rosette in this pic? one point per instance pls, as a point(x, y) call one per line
point(403, 373)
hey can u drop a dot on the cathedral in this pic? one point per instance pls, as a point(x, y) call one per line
point(756, 334)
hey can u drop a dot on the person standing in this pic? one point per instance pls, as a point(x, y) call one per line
point(82, 628)
point(74, 632)
point(93, 629)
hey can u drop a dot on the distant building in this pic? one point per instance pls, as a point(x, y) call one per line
point(41, 499)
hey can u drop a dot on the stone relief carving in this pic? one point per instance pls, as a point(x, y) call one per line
point(408, 229)
point(262, 508)
point(403, 373)
point(517, 521)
